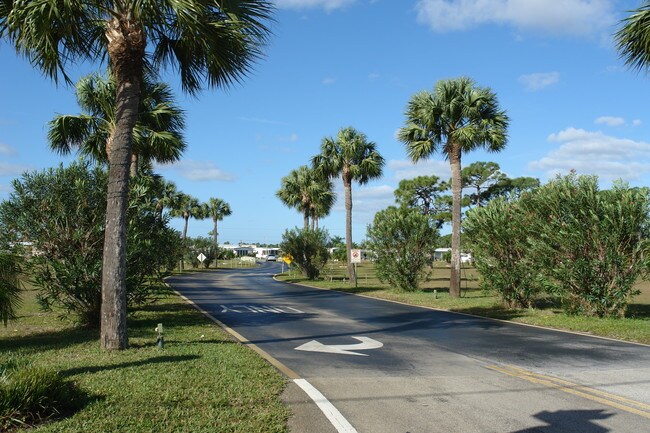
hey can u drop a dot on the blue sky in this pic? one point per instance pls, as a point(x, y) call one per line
point(335, 63)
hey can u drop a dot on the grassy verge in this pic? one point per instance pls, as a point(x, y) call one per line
point(435, 293)
point(201, 381)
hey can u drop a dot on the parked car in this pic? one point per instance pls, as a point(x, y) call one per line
point(271, 258)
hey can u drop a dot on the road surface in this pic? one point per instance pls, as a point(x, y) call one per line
point(388, 367)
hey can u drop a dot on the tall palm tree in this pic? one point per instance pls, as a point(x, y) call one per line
point(167, 196)
point(157, 135)
point(354, 158)
point(455, 118)
point(217, 209)
point(187, 207)
point(633, 38)
point(308, 191)
point(206, 41)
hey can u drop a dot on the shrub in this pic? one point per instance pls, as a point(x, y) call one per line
point(30, 395)
point(62, 211)
point(403, 241)
point(308, 248)
point(499, 235)
point(586, 245)
point(593, 244)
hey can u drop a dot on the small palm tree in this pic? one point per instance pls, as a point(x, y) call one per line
point(157, 135)
point(308, 191)
point(457, 117)
point(187, 207)
point(217, 209)
point(167, 196)
point(354, 158)
point(206, 41)
point(633, 38)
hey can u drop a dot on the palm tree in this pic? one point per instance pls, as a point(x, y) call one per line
point(354, 158)
point(217, 209)
point(206, 41)
point(633, 38)
point(322, 201)
point(167, 196)
point(455, 118)
point(308, 191)
point(157, 135)
point(187, 207)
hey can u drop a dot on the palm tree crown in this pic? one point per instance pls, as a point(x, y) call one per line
point(157, 135)
point(217, 209)
point(633, 38)
point(354, 158)
point(455, 118)
point(308, 191)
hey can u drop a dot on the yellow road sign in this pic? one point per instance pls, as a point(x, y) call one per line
point(287, 259)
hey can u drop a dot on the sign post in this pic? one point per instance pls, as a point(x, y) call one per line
point(355, 258)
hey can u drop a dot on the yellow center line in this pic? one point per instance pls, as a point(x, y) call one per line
point(584, 392)
point(583, 388)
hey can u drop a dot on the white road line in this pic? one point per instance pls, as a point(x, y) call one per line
point(338, 421)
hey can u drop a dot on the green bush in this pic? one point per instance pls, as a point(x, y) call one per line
point(62, 211)
point(30, 395)
point(586, 245)
point(403, 241)
point(308, 249)
point(499, 235)
point(593, 244)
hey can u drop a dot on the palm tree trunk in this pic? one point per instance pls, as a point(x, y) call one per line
point(456, 188)
point(126, 44)
point(305, 216)
point(216, 244)
point(347, 185)
point(186, 217)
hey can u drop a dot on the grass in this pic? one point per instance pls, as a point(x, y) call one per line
point(201, 381)
point(435, 293)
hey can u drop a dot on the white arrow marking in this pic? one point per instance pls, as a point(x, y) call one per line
point(366, 343)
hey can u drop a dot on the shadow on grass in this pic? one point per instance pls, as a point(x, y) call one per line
point(52, 340)
point(148, 361)
point(495, 312)
point(638, 311)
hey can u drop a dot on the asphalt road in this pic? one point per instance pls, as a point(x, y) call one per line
point(398, 368)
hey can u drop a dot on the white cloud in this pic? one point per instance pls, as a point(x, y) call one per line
point(405, 169)
point(610, 121)
point(5, 149)
point(7, 169)
point(328, 80)
point(636, 122)
point(539, 80)
point(328, 5)
point(198, 170)
point(590, 152)
point(373, 76)
point(365, 199)
point(574, 17)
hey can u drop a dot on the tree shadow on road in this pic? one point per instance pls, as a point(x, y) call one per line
point(563, 421)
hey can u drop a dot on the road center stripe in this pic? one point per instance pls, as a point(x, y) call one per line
point(338, 421)
point(602, 397)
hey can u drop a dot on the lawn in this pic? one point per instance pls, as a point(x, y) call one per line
point(435, 293)
point(202, 381)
